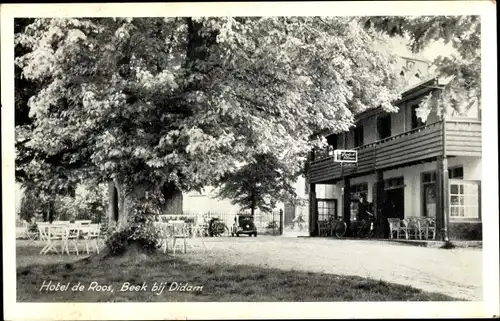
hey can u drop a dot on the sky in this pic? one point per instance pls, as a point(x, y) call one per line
point(430, 53)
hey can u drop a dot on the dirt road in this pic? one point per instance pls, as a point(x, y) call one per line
point(456, 272)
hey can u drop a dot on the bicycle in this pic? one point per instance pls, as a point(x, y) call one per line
point(367, 228)
point(217, 228)
point(337, 226)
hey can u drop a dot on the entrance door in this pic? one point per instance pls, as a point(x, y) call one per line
point(430, 200)
point(394, 206)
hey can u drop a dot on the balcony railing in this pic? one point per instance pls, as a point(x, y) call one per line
point(462, 138)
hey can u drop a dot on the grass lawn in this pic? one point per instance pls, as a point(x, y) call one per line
point(219, 282)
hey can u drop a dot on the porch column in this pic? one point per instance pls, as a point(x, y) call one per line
point(346, 204)
point(377, 202)
point(442, 201)
point(313, 211)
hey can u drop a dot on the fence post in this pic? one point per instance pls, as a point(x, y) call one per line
point(281, 222)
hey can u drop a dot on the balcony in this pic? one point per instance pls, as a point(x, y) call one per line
point(450, 138)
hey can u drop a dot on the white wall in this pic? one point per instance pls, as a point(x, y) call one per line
point(412, 194)
point(325, 191)
point(300, 187)
point(472, 171)
point(195, 202)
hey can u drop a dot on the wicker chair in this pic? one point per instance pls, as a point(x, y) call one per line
point(394, 227)
point(408, 228)
point(323, 228)
point(430, 228)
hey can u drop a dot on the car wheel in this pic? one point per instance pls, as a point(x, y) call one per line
point(255, 234)
point(237, 234)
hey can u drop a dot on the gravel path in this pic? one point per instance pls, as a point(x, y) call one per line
point(457, 272)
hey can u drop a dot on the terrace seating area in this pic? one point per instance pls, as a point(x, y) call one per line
point(64, 237)
point(418, 228)
point(178, 230)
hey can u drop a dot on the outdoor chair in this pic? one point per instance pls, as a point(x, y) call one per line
point(197, 231)
point(53, 234)
point(430, 228)
point(43, 230)
point(394, 227)
point(91, 234)
point(72, 236)
point(39, 226)
point(164, 232)
point(180, 231)
point(407, 228)
point(30, 234)
point(323, 228)
point(418, 227)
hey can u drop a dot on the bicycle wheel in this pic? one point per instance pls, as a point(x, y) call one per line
point(340, 228)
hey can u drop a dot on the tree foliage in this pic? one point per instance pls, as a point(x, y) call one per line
point(259, 184)
point(463, 33)
point(184, 101)
point(88, 202)
point(148, 101)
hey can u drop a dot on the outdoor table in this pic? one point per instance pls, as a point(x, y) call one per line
point(63, 233)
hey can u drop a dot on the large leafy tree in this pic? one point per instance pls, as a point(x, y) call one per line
point(180, 102)
point(462, 68)
point(259, 184)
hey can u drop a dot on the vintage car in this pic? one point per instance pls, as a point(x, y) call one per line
point(243, 224)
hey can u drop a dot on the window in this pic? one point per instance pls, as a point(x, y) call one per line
point(415, 121)
point(326, 207)
point(428, 177)
point(358, 136)
point(464, 199)
point(456, 172)
point(332, 141)
point(395, 182)
point(357, 192)
point(358, 189)
point(384, 126)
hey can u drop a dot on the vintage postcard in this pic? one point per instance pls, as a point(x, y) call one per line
point(249, 160)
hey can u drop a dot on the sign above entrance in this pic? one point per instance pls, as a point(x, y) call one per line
point(345, 156)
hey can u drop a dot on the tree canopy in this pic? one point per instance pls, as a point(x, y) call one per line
point(463, 33)
point(259, 185)
point(185, 101)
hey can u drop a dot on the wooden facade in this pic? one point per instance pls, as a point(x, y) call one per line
point(450, 138)
point(401, 143)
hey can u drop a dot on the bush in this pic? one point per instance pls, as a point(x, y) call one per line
point(139, 231)
point(272, 225)
point(31, 205)
point(144, 236)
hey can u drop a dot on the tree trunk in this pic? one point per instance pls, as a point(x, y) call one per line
point(121, 198)
point(173, 199)
point(113, 203)
point(127, 196)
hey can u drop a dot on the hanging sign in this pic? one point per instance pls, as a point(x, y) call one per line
point(345, 156)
